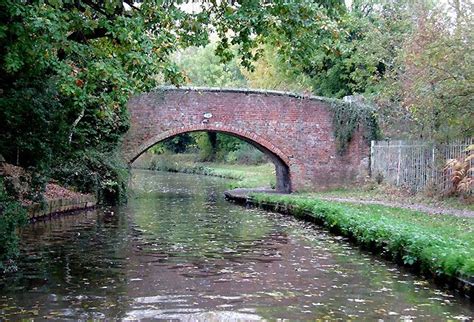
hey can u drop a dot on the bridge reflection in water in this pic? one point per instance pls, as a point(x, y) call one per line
point(179, 250)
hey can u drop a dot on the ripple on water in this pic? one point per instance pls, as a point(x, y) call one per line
point(177, 250)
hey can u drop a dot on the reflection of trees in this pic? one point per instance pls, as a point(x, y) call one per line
point(71, 254)
point(196, 222)
point(184, 216)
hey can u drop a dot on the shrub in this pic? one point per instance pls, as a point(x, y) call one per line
point(163, 162)
point(246, 154)
point(206, 152)
point(460, 172)
point(91, 171)
point(12, 216)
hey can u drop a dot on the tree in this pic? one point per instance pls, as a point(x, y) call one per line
point(68, 69)
point(436, 72)
point(272, 72)
point(202, 67)
point(343, 54)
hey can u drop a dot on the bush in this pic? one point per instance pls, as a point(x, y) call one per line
point(460, 172)
point(206, 152)
point(12, 216)
point(103, 174)
point(246, 154)
point(163, 162)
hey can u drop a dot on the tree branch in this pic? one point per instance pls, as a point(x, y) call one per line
point(80, 36)
point(76, 121)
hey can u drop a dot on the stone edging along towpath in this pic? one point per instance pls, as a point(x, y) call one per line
point(242, 197)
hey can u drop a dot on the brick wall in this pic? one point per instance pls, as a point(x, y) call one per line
point(296, 132)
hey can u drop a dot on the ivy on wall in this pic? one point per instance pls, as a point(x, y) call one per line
point(347, 117)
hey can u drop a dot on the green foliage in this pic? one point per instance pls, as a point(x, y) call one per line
point(102, 173)
point(202, 67)
point(67, 71)
point(206, 150)
point(348, 117)
point(246, 154)
point(435, 72)
point(271, 71)
point(227, 143)
point(249, 22)
point(342, 54)
point(12, 217)
point(29, 115)
point(439, 245)
point(179, 143)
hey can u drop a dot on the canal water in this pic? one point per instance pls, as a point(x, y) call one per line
point(178, 250)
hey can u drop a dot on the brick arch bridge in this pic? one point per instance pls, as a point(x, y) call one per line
point(296, 132)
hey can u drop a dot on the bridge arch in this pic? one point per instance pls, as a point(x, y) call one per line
point(295, 131)
point(279, 159)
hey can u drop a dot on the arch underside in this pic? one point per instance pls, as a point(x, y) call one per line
point(279, 159)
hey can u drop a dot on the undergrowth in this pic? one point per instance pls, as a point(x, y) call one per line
point(103, 174)
point(12, 217)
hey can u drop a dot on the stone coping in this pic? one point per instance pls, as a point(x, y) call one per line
point(242, 197)
point(61, 205)
point(247, 91)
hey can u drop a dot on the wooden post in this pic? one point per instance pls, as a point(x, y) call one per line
point(372, 158)
point(399, 162)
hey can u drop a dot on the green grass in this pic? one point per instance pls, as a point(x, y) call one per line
point(435, 244)
point(243, 176)
point(387, 193)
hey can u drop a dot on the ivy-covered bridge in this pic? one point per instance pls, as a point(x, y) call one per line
point(296, 132)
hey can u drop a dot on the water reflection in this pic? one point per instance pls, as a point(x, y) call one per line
point(178, 250)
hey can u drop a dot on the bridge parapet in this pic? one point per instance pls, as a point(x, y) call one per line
point(296, 131)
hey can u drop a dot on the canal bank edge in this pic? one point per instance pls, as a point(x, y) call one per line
point(253, 198)
point(57, 199)
point(60, 206)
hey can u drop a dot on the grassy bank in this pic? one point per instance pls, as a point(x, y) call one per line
point(441, 246)
point(253, 176)
point(243, 176)
point(388, 193)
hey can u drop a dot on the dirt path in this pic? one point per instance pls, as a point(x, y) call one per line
point(417, 207)
point(244, 193)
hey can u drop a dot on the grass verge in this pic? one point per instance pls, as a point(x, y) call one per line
point(243, 176)
point(389, 193)
point(436, 245)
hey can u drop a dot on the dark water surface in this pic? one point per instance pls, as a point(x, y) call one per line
point(179, 250)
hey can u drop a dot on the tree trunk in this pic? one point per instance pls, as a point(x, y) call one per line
point(213, 140)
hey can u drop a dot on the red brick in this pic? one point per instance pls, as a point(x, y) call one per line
point(295, 132)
